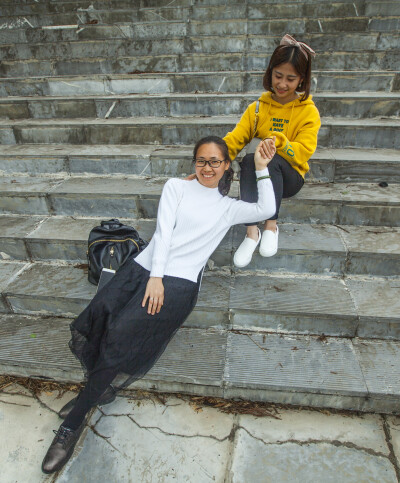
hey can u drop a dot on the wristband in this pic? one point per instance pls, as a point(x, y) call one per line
point(262, 177)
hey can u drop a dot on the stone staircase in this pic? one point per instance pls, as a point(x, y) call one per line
point(102, 101)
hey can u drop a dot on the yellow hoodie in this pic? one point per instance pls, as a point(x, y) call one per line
point(294, 124)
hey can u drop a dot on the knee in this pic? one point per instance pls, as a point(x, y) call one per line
point(274, 163)
point(247, 163)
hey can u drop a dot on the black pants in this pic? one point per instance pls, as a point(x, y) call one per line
point(115, 336)
point(285, 180)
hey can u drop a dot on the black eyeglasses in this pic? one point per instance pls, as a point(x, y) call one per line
point(213, 163)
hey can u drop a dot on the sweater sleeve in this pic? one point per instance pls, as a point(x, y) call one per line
point(166, 218)
point(242, 134)
point(300, 149)
point(244, 212)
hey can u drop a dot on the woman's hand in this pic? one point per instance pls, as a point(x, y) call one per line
point(264, 153)
point(155, 294)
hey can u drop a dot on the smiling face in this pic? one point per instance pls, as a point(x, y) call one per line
point(285, 81)
point(206, 175)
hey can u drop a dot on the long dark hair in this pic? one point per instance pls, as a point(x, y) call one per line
point(224, 184)
point(293, 55)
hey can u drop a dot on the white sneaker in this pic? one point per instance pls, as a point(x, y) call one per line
point(269, 243)
point(245, 251)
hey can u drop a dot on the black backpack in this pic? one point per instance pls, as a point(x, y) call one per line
point(110, 245)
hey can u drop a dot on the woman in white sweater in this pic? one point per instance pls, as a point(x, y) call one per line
point(128, 324)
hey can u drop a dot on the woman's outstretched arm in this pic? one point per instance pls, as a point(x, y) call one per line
point(243, 212)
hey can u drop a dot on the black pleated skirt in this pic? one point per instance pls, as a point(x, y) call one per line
point(116, 332)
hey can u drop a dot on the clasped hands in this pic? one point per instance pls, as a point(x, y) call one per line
point(265, 151)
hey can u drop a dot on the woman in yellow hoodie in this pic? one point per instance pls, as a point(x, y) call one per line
point(284, 116)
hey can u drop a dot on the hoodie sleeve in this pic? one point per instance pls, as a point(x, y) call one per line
point(300, 149)
point(242, 134)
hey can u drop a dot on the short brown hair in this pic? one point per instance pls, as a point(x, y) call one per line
point(293, 55)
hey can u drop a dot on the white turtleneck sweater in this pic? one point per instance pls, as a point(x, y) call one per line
point(191, 222)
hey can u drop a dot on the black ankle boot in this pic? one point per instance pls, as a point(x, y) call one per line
point(107, 397)
point(61, 448)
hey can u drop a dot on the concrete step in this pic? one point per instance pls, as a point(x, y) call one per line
point(335, 132)
point(240, 60)
point(126, 26)
point(353, 44)
point(137, 197)
point(303, 248)
point(300, 18)
point(304, 370)
point(201, 11)
point(280, 303)
point(354, 105)
point(185, 82)
point(327, 165)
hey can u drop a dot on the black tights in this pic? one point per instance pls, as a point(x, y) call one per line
point(285, 180)
point(96, 385)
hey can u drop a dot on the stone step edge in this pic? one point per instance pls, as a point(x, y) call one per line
point(382, 121)
point(179, 151)
point(33, 235)
point(159, 181)
point(251, 95)
point(222, 382)
point(203, 73)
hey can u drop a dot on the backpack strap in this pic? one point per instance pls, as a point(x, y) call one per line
point(256, 117)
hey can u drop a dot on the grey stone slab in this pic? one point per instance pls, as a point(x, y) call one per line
point(358, 204)
point(302, 364)
point(64, 290)
point(193, 357)
point(302, 426)
point(354, 106)
point(161, 448)
point(37, 344)
point(28, 425)
point(158, 83)
point(378, 306)
point(302, 248)
point(51, 290)
point(14, 164)
point(373, 250)
point(300, 304)
point(295, 462)
point(393, 424)
point(24, 195)
point(107, 197)
point(13, 230)
point(212, 306)
point(8, 272)
point(66, 238)
point(337, 132)
point(379, 363)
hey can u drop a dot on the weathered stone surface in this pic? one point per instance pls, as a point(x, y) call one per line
point(295, 304)
point(265, 362)
point(13, 231)
point(377, 362)
point(292, 460)
point(28, 425)
point(172, 429)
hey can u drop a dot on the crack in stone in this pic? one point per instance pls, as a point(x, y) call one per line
point(148, 428)
point(306, 442)
point(392, 457)
point(34, 396)
point(15, 404)
point(106, 439)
